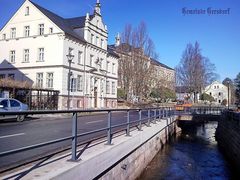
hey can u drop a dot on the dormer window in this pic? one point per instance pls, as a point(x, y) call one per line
point(27, 11)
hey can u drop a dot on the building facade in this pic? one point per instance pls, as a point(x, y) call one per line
point(151, 73)
point(34, 45)
point(218, 91)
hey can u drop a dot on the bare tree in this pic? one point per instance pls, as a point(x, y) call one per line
point(194, 70)
point(134, 65)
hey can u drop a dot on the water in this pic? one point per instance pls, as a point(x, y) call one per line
point(191, 155)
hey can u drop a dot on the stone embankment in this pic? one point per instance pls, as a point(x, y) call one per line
point(228, 136)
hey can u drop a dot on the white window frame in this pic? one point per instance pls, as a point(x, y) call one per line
point(39, 79)
point(13, 33)
point(26, 31)
point(91, 60)
point(107, 87)
point(102, 43)
point(108, 66)
point(113, 68)
point(40, 29)
point(73, 85)
point(12, 56)
point(41, 54)
point(50, 30)
point(79, 83)
point(80, 58)
point(97, 41)
point(92, 38)
point(26, 53)
point(49, 79)
point(27, 11)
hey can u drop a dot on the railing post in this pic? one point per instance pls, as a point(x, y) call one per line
point(128, 124)
point(159, 113)
point(109, 131)
point(149, 117)
point(155, 114)
point(140, 120)
point(74, 137)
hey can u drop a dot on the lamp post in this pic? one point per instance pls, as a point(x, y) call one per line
point(228, 94)
point(70, 58)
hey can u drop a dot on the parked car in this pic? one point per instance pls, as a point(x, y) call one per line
point(9, 104)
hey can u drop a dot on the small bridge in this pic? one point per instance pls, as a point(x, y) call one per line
point(197, 115)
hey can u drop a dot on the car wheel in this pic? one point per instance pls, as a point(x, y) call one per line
point(20, 118)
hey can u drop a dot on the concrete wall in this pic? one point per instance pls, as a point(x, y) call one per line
point(228, 137)
point(133, 165)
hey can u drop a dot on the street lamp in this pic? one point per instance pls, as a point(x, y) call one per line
point(228, 94)
point(70, 58)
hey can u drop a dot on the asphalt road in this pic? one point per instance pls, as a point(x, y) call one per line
point(34, 130)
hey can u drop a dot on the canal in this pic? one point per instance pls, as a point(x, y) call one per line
point(190, 155)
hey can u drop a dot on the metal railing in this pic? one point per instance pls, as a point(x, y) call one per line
point(144, 117)
point(151, 116)
point(202, 110)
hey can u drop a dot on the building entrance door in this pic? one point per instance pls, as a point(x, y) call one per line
point(95, 97)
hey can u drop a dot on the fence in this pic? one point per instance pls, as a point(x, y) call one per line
point(147, 116)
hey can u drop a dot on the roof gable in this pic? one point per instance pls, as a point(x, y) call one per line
point(64, 24)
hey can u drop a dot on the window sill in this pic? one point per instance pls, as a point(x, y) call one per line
point(25, 61)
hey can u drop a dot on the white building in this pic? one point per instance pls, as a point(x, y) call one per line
point(35, 43)
point(218, 91)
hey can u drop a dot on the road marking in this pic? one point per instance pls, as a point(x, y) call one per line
point(12, 135)
point(92, 122)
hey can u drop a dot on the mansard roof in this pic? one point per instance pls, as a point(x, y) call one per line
point(67, 25)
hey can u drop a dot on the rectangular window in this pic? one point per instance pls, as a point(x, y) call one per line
point(39, 80)
point(80, 59)
point(92, 38)
point(4, 36)
point(91, 83)
point(41, 54)
point(27, 11)
point(102, 43)
point(11, 76)
point(97, 41)
point(91, 60)
point(41, 29)
point(2, 76)
point(79, 83)
point(27, 31)
point(107, 87)
point(49, 80)
point(13, 33)
point(50, 30)
point(12, 56)
point(108, 67)
point(113, 68)
point(113, 88)
point(73, 85)
point(26, 55)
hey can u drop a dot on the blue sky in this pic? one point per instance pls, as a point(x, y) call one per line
point(170, 29)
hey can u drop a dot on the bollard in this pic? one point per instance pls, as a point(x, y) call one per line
point(109, 131)
point(74, 137)
point(128, 124)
